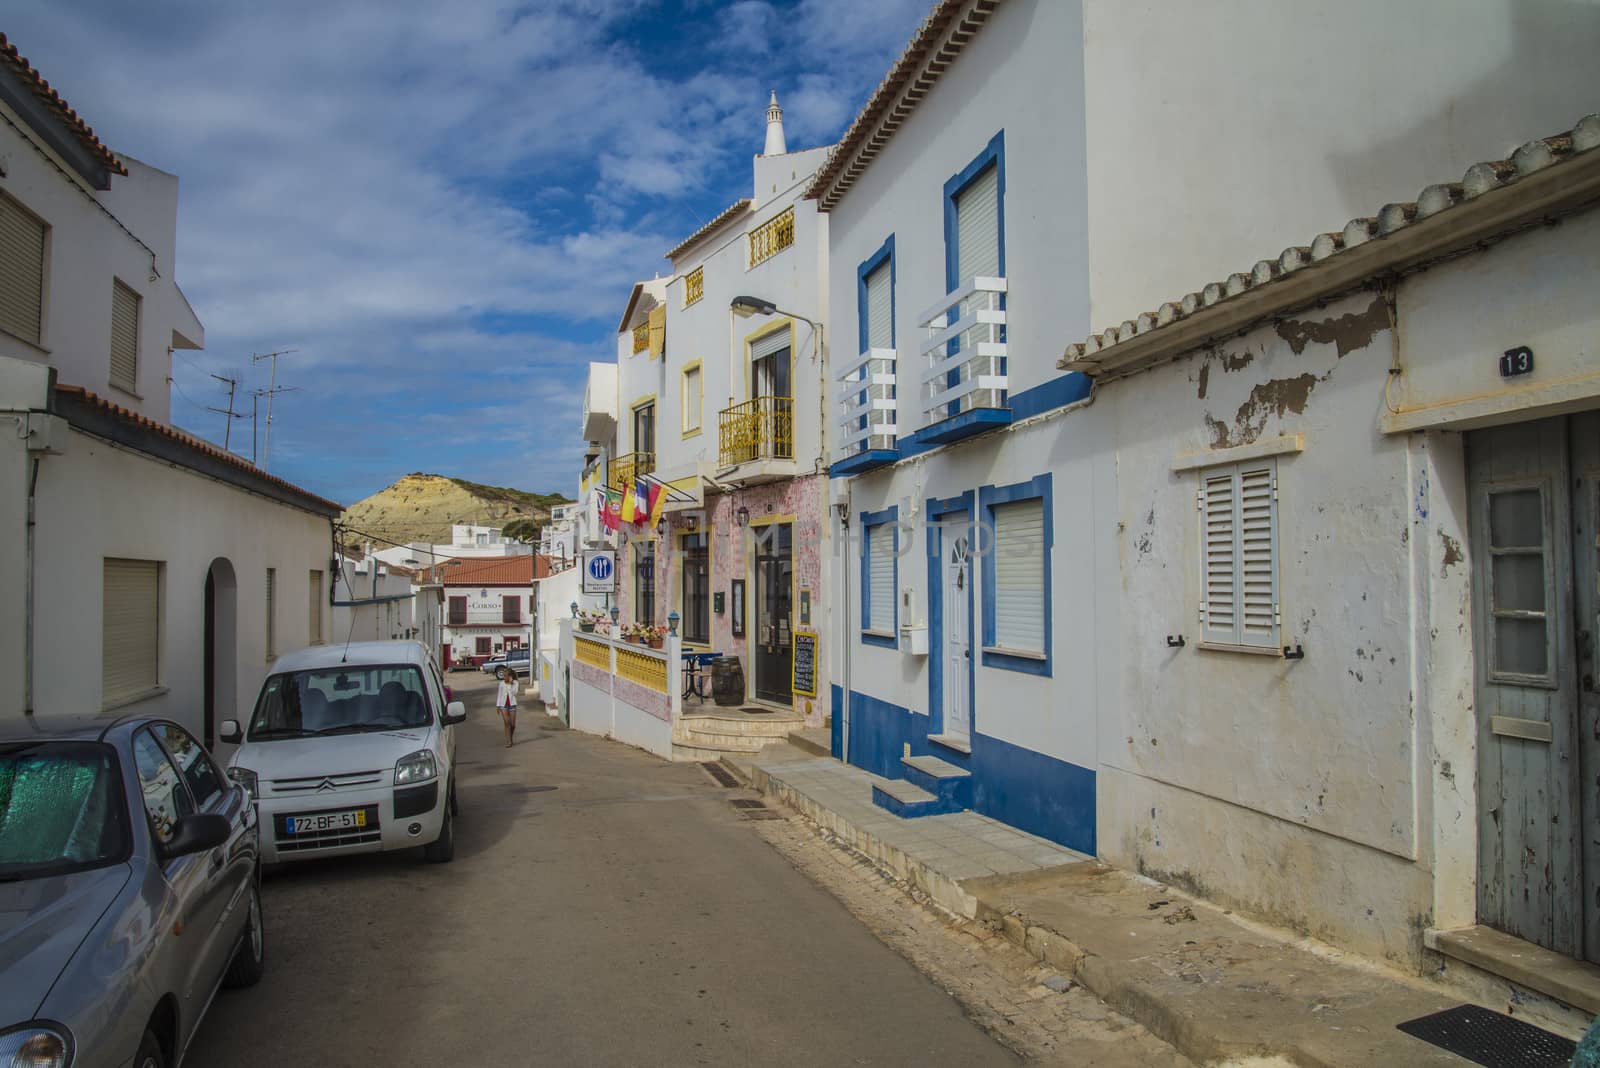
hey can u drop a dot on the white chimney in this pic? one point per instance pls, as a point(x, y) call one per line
point(775, 142)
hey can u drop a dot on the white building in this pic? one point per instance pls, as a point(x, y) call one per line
point(1094, 598)
point(488, 606)
point(467, 541)
point(558, 539)
point(152, 571)
point(383, 602)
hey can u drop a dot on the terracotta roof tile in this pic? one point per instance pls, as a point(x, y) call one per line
point(483, 571)
point(52, 100)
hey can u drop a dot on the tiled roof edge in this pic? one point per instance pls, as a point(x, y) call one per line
point(53, 101)
point(705, 231)
point(1444, 217)
point(909, 79)
point(197, 447)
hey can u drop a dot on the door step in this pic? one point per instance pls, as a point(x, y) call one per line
point(908, 801)
point(948, 782)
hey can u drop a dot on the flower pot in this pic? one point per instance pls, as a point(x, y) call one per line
point(587, 628)
point(656, 643)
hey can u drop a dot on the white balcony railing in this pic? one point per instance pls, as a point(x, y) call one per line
point(965, 351)
point(867, 405)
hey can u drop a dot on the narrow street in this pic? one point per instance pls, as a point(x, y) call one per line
point(603, 908)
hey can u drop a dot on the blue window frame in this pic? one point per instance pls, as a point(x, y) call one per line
point(878, 528)
point(1017, 611)
point(993, 155)
point(885, 254)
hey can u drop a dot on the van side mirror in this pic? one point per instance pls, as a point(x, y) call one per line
point(230, 732)
point(196, 833)
point(455, 712)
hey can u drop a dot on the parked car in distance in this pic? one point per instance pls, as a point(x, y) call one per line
point(129, 891)
point(520, 660)
point(351, 750)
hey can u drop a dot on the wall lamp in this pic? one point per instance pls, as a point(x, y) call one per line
point(744, 307)
point(743, 516)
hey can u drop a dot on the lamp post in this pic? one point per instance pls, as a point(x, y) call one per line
point(574, 609)
point(672, 622)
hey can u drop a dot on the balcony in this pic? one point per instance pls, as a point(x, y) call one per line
point(758, 434)
point(641, 337)
point(772, 237)
point(626, 469)
point(963, 381)
point(869, 432)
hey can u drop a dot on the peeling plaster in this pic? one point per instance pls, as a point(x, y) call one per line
point(1348, 332)
point(1452, 554)
point(1276, 397)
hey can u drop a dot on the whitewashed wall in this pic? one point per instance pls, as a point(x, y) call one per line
point(85, 250)
point(1227, 131)
point(85, 514)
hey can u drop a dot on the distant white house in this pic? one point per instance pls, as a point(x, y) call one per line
point(152, 571)
point(489, 606)
point(467, 541)
point(380, 602)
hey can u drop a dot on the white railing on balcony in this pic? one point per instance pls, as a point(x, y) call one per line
point(867, 404)
point(964, 350)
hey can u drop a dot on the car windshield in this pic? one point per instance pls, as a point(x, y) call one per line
point(60, 809)
point(347, 699)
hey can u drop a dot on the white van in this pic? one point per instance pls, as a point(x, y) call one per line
point(351, 749)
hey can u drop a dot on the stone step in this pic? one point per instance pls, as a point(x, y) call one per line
point(763, 726)
point(947, 781)
point(909, 801)
point(711, 739)
point(818, 740)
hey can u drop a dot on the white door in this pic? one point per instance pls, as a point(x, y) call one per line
point(958, 638)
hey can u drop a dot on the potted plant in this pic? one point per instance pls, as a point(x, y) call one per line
point(587, 620)
point(653, 636)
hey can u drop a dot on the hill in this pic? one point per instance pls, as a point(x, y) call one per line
point(422, 507)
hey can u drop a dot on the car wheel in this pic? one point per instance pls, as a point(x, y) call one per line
point(250, 960)
point(150, 1054)
point(442, 849)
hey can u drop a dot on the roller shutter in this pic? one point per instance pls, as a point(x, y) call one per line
point(880, 578)
point(22, 237)
point(131, 628)
point(978, 227)
point(124, 337)
point(1019, 575)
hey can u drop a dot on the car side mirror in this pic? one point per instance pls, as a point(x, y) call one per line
point(454, 712)
point(196, 833)
point(230, 732)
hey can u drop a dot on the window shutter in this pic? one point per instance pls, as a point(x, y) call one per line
point(131, 628)
point(124, 336)
point(314, 630)
point(1239, 556)
point(978, 227)
point(880, 319)
point(658, 331)
point(767, 344)
point(1258, 557)
point(880, 577)
point(21, 270)
point(1019, 593)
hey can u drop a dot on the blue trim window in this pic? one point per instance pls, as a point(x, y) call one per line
point(993, 154)
point(864, 322)
point(880, 577)
point(1017, 575)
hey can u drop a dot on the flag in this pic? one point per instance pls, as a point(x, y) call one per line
point(630, 507)
point(611, 510)
point(658, 502)
point(641, 503)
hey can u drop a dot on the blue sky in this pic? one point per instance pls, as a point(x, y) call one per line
point(441, 206)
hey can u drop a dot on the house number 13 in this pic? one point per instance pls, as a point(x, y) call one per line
point(1517, 361)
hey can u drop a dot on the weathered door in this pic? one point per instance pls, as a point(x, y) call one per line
point(1585, 437)
point(1522, 520)
point(958, 639)
point(774, 588)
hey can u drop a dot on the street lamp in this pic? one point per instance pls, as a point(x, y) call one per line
point(746, 306)
point(743, 516)
point(574, 609)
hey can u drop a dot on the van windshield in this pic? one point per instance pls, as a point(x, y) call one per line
point(347, 699)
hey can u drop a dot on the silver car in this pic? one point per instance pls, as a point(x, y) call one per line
point(129, 892)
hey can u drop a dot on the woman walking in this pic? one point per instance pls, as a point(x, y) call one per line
point(505, 699)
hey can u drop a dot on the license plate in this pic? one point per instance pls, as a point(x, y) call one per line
point(325, 821)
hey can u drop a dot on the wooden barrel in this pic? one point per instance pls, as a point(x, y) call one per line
point(727, 681)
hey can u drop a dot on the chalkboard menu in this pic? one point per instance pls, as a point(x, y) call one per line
point(805, 663)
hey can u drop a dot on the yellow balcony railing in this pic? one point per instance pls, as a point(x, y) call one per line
point(641, 337)
point(759, 429)
point(772, 237)
point(626, 469)
point(694, 286)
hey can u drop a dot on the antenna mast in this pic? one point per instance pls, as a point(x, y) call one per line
point(272, 388)
point(227, 433)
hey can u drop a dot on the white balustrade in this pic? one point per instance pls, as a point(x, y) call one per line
point(964, 350)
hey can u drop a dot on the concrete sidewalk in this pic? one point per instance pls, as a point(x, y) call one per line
point(1217, 988)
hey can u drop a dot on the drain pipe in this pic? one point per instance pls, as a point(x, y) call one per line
point(27, 596)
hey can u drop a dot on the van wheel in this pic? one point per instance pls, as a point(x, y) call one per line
point(150, 1054)
point(442, 849)
point(250, 959)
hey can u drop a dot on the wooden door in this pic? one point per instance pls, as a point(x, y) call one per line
point(1526, 682)
point(1585, 444)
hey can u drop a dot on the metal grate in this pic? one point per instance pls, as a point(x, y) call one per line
point(752, 809)
point(719, 773)
point(531, 789)
point(1492, 1039)
point(747, 802)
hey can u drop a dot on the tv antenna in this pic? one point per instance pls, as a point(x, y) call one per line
point(255, 396)
point(272, 388)
point(227, 433)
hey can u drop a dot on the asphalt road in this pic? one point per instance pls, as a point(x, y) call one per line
point(604, 907)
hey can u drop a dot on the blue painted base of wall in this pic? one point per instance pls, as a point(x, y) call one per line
point(910, 810)
point(836, 728)
point(1039, 794)
point(863, 462)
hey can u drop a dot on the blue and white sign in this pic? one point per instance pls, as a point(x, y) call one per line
point(600, 572)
